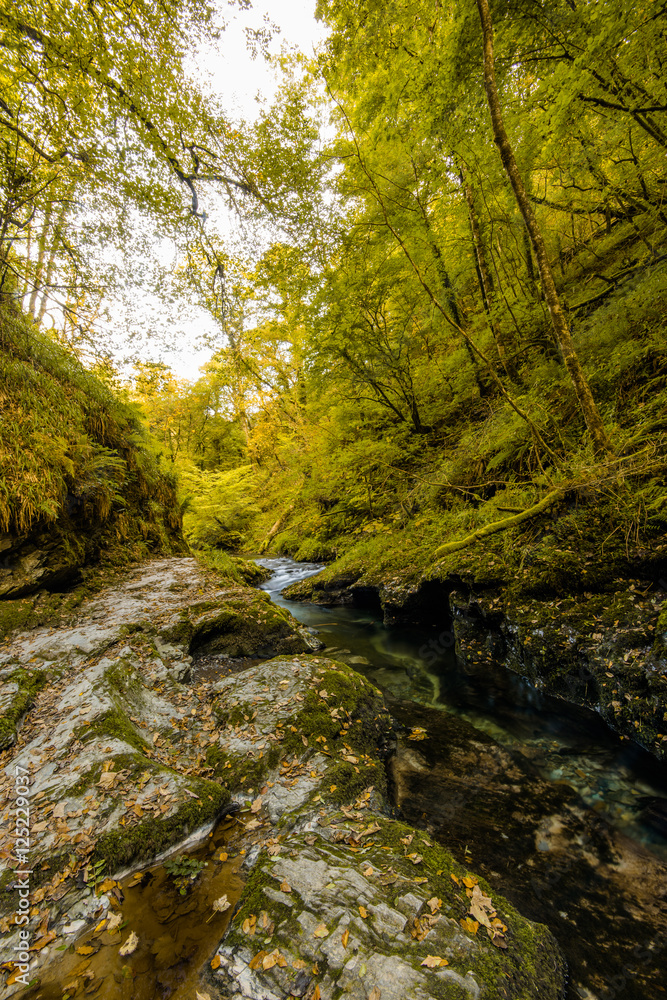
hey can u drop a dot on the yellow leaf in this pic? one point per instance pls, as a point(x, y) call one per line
point(320, 931)
point(85, 949)
point(362, 912)
point(346, 937)
point(469, 925)
point(268, 962)
point(285, 886)
point(316, 993)
point(332, 788)
point(257, 960)
point(469, 882)
point(434, 962)
point(454, 879)
point(299, 964)
point(215, 962)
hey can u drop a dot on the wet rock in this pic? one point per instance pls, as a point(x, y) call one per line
point(602, 651)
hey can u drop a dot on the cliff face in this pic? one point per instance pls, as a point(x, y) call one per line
point(77, 483)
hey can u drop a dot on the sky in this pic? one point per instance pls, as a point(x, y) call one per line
point(241, 80)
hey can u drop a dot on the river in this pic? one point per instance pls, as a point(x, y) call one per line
point(560, 814)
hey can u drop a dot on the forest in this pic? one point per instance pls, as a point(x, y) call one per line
point(433, 268)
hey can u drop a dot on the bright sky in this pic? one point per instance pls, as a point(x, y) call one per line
point(241, 80)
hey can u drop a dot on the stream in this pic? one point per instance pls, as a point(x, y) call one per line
point(559, 814)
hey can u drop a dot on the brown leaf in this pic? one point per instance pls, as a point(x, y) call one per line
point(434, 962)
point(285, 886)
point(434, 904)
point(374, 994)
point(346, 937)
point(257, 960)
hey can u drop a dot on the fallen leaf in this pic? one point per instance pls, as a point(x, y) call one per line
point(256, 805)
point(469, 925)
point(299, 964)
point(346, 937)
point(215, 962)
point(203, 996)
point(316, 994)
point(114, 920)
point(268, 962)
point(374, 994)
point(285, 886)
point(84, 949)
point(363, 912)
point(130, 945)
point(434, 904)
point(454, 878)
point(469, 882)
point(257, 960)
point(320, 931)
point(434, 962)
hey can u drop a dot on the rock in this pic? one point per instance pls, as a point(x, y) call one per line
point(126, 761)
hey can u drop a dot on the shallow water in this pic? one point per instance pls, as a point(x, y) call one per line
point(537, 795)
point(176, 932)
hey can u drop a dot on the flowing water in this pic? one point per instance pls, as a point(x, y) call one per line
point(568, 820)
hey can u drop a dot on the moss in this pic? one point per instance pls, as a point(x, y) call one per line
point(119, 848)
point(29, 683)
point(531, 965)
point(113, 724)
point(238, 772)
point(254, 899)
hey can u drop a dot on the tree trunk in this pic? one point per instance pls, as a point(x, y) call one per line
point(55, 243)
point(561, 331)
point(41, 255)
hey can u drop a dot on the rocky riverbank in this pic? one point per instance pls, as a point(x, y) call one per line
point(130, 752)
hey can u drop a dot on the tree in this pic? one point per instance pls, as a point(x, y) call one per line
point(96, 103)
point(560, 327)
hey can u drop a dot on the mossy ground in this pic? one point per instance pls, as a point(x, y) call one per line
point(29, 683)
point(89, 490)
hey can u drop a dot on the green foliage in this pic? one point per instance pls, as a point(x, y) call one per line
point(221, 508)
point(183, 871)
point(72, 454)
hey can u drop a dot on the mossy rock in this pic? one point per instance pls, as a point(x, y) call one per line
point(22, 686)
